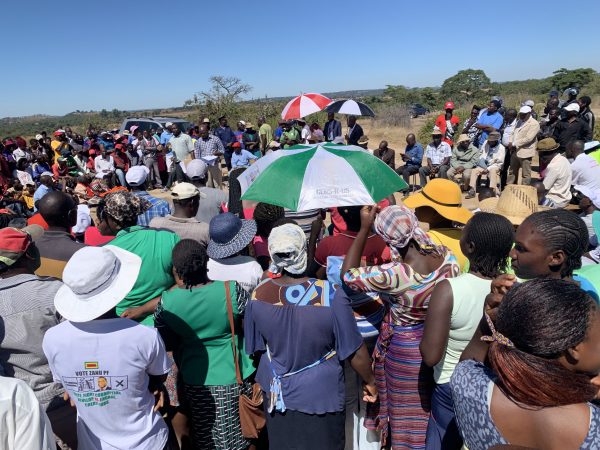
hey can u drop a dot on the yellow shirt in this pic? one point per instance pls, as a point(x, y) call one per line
point(450, 237)
point(57, 146)
point(28, 199)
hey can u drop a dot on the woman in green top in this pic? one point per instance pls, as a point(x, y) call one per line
point(192, 319)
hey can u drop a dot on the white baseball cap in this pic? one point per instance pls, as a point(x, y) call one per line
point(168, 124)
point(136, 175)
point(181, 191)
point(525, 109)
point(87, 294)
point(594, 196)
point(196, 169)
point(572, 107)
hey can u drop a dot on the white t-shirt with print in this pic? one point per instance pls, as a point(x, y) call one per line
point(243, 269)
point(105, 365)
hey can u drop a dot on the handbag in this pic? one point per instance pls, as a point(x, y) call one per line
point(252, 416)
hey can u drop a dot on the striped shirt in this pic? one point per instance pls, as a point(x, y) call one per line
point(304, 219)
point(26, 312)
point(159, 208)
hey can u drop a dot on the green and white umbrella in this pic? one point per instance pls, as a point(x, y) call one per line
point(319, 176)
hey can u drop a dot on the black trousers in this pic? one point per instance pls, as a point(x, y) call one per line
point(293, 430)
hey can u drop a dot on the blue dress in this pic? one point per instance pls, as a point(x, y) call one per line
point(471, 386)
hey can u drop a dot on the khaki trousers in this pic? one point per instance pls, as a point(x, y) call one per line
point(215, 177)
point(464, 176)
point(492, 176)
point(517, 163)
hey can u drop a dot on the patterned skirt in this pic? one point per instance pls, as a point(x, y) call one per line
point(214, 413)
point(404, 385)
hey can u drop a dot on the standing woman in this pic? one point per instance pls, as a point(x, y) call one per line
point(193, 321)
point(303, 331)
point(454, 313)
point(403, 381)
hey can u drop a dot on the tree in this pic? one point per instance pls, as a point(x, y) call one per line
point(466, 85)
point(565, 78)
point(222, 97)
point(104, 113)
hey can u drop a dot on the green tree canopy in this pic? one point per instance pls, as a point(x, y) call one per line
point(466, 85)
point(565, 78)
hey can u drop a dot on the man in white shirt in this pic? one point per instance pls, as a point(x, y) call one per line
point(104, 164)
point(305, 133)
point(438, 155)
point(23, 423)
point(585, 169)
point(111, 367)
point(557, 179)
point(490, 163)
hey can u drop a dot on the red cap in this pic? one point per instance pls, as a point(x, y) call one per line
point(449, 105)
point(58, 132)
point(236, 145)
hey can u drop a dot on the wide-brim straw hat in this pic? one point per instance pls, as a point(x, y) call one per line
point(516, 203)
point(444, 196)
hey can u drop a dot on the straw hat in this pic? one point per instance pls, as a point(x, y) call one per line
point(516, 203)
point(444, 196)
point(547, 145)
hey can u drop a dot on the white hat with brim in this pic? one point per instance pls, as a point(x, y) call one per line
point(588, 192)
point(87, 294)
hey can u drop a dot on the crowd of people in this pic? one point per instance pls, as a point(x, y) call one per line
point(190, 318)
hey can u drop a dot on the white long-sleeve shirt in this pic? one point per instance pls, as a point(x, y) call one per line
point(23, 423)
point(103, 166)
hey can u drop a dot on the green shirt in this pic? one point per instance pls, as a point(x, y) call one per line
point(291, 135)
point(155, 247)
point(199, 318)
point(266, 129)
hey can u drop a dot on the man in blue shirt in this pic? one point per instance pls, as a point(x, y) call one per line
point(166, 135)
point(136, 178)
point(47, 184)
point(490, 120)
point(412, 157)
point(241, 157)
point(227, 137)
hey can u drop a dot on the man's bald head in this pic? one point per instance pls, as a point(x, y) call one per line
point(575, 149)
point(58, 210)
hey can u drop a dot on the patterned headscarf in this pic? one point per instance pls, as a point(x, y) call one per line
point(397, 225)
point(289, 239)
point(124, 206)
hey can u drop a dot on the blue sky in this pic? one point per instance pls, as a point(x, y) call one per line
point(63, 55)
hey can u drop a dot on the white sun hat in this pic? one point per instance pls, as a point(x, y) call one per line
point(95, 280)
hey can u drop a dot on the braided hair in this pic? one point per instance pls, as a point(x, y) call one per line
point(562, 230)
point(189, 261)
point(265, 215)
point(543, 319)
point(492, 236)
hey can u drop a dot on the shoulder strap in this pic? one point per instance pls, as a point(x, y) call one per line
point(232, 326)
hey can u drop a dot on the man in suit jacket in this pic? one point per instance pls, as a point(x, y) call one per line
point(355, 131)
point(332, 128)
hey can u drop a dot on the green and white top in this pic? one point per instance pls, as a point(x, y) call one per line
point(469, 292)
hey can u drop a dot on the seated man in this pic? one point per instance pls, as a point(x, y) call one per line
point(438, 155)
point(386, 154)
point(241, 157)
point(490, 163)
point(558, 177)
point(464, 158)
point(412, 157)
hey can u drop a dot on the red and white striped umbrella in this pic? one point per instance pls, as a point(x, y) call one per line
point(303, 105)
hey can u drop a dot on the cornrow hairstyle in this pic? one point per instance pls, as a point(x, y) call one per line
point(189, 261)
point(543, 318)
point(492, 236)
point(562, 230)
point(265, 215)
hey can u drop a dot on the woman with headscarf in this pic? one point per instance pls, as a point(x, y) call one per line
point(303, 331)
point(403, 381)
